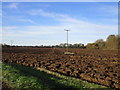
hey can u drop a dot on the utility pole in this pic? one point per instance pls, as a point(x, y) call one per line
point(11, 42)
point(67, 38)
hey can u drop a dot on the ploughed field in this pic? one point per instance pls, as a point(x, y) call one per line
point(97, 66)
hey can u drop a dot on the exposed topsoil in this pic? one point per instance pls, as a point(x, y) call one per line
point(98, 66)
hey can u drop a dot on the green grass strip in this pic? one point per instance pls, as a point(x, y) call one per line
point(18, 76)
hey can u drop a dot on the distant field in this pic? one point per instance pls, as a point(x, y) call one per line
point(96, 66)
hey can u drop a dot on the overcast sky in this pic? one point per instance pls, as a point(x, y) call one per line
point(38, 23)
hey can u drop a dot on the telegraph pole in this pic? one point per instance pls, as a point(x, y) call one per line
point(67, 38)
point(11, 42)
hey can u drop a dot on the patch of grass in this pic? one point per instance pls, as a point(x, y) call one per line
point(18, 76)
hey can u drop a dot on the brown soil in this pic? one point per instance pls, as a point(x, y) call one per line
point(98, 66)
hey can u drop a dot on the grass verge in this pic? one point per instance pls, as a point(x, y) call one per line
point(18, 76)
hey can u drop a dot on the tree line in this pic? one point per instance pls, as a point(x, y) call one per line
point(112, 42)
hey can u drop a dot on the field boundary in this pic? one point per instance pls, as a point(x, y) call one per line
point(58, 78)
point(69, 77)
